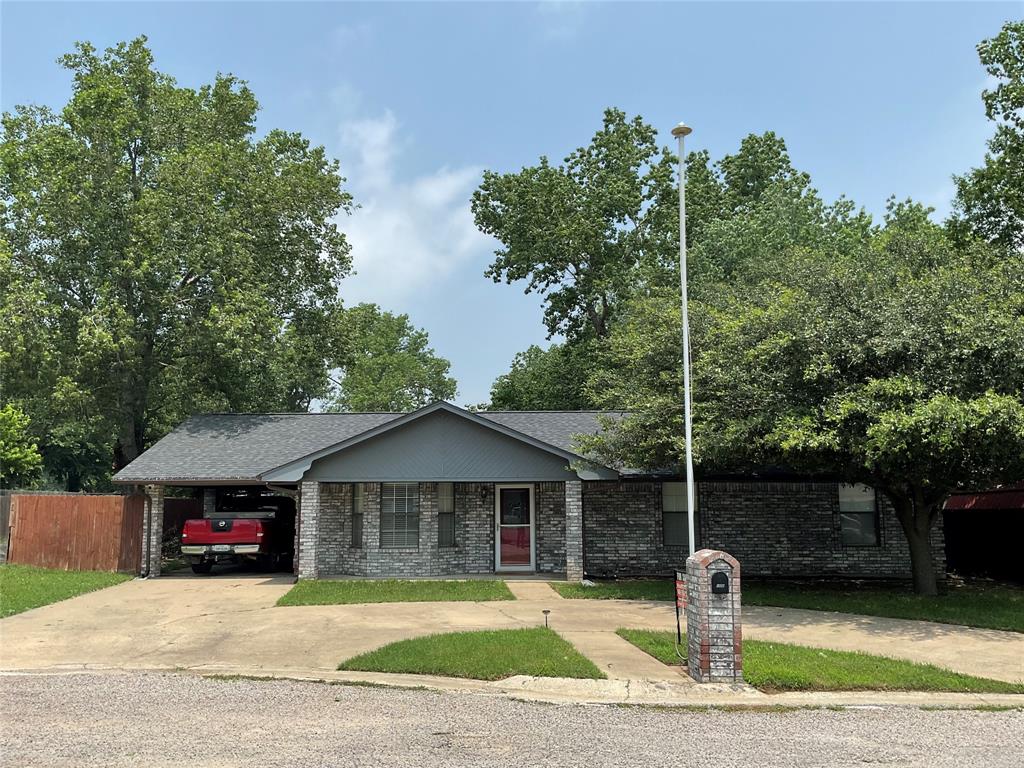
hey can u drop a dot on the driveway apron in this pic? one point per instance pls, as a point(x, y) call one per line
point(232, 621)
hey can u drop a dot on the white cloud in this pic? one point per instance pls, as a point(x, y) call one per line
point(406, 233)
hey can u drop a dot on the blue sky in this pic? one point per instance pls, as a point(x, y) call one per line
point(417, 99)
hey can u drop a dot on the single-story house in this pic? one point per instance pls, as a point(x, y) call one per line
point(446, 491)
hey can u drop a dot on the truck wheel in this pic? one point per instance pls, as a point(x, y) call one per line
point(202, 567)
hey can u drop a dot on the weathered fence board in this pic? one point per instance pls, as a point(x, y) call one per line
point(77, 532)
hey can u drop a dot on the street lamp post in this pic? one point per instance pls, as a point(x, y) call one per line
point(681, 131)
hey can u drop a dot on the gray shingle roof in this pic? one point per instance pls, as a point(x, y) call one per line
point(237, 446)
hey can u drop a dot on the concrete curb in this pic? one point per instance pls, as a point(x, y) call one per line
point(552, 690)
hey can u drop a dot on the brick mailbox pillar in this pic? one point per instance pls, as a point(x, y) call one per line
point(713, 631)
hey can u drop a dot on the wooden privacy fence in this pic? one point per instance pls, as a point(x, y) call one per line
point(78, 533)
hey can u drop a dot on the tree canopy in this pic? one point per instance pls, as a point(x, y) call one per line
point(888, 354)
point(549, 379)
point(388, 365)
point(159, 258)
point(19, 457)
point(990, 199)
point(580, 232)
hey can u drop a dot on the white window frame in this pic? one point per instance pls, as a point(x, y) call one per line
point(498, 567)
point(384, 492)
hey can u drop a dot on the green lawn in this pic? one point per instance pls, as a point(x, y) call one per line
point(25, 586)
point(783, 667)
point(486, 655)
point(315, 592)
point(989, 606)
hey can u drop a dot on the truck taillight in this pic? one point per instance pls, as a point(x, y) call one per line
point(184, 535)
point(259, 534)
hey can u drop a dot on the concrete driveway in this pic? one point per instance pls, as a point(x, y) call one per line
point(231, 622)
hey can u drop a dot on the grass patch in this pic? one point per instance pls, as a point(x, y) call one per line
point(24, 586)
point(987, 606)
point(486, 655)
point(314, 592)
point(783, 667)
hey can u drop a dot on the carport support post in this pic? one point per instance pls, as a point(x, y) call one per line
point(209, 501)
point(309, 528)
point(153, 531)
point(574, 530)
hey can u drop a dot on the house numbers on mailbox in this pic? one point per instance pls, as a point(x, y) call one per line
point(719, 583)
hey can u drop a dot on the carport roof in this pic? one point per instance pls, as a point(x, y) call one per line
point(240, 447)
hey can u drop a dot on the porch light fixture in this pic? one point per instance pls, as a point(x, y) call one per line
point(681, 131)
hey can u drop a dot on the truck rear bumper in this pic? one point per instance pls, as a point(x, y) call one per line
point(220, 549)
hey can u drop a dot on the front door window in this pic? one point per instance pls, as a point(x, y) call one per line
point(515, 529)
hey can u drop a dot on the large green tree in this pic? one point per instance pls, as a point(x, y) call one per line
point(581, 232)
point(897, 363)
point(990, 199)
point(388, 364)
point(736, 204)
point(159, 258)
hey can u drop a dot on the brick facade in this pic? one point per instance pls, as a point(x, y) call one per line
point(549, 499)
point(474, 533)
point(781, 529)
point(792, 529)
point(622, 530)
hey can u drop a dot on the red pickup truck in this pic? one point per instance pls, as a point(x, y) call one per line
point(261, 536)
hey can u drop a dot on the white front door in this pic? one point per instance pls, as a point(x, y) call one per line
point(514, 528)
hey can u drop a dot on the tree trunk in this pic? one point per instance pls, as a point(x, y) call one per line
point(129, 442)
point(917, 519)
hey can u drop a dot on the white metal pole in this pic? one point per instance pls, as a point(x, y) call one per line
point(680, 132)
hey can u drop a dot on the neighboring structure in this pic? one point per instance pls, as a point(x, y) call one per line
point(444, 491)
point(984, 531)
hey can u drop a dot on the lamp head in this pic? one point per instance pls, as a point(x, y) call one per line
point(682, 130)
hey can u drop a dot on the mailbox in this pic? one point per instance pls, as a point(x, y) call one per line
point(719, 583)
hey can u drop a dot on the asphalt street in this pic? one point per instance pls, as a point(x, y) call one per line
point(154, 719)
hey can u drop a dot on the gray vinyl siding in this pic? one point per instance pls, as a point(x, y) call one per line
point(438, 447)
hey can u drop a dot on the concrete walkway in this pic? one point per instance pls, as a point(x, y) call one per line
point(231, 622)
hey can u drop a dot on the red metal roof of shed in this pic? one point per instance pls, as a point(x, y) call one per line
point(1007, 497)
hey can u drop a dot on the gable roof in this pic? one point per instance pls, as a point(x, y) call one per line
point(242, 448)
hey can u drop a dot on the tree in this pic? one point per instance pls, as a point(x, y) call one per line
point(159, 259)
point(19, 456)
point(388, 365)
point(603, 228)
point(580, 232)
point(549, 379)
point(897, 364)
point(990, 199)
